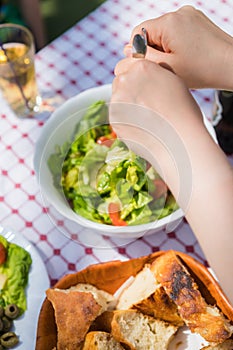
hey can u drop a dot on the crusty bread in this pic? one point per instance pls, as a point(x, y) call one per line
point(74, 313)
point(139, 331)
point(102, 276)
point(101, 341)
point(159, 305)
point(226, 345)
point(111, 275)
point(75, 310)
point(145, 294)
point(199, 316)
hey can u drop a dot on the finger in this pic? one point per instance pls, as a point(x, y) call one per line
point(118, 86)
point(151, 54)
point(124, 65)
point(153, 29)
point(128, 50)
point(164, 59)
point(115, 89)
point(158, 56)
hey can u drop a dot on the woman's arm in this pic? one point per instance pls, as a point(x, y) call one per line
point(153, 111)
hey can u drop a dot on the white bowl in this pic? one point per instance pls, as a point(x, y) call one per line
point(59, 129)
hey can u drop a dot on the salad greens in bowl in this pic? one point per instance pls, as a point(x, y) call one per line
point(93, 179)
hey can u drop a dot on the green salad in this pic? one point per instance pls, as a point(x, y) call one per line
point(14, 272)
point(103, 180)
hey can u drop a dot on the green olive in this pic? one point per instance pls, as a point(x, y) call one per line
point(8, 340)
point(2, 347)
point(1, 311)
point(6, 324)
point(11, 311)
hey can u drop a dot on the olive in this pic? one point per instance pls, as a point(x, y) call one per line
point(1, 311)
point(1, 326)
point(11, 311)
point(8, 340)
point(6, 324)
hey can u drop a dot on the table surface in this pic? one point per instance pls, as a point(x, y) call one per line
point(84, 57)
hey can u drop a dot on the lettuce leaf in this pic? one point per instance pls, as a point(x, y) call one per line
point(93, 175)
point(16, 268)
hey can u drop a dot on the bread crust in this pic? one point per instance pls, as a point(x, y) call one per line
point(226, 345)
point(97, 340)
point(70, 306)
point(159, 305)
point(103, 276)
point(200, 317)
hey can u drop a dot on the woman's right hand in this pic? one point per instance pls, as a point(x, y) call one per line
point(192, 46)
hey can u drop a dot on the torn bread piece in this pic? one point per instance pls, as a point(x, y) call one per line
point(141, 287)
point(136, 330)
point(226, 345)
point(101, 341)
point(146, 295)
point(207, 320)
point(159, 305)
point(74, 313)
point(105, 299)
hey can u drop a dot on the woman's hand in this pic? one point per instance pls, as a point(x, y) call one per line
point(147, 84)
point(192, 46)
point(154, 113)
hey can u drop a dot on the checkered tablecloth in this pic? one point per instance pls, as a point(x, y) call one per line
point(83, 57)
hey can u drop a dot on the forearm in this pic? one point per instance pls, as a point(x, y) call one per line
point(209, 207)
point(210, 210)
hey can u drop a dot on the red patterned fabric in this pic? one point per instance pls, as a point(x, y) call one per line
point(84, 57)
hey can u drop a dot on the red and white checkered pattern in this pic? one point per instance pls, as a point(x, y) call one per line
point(84, 57)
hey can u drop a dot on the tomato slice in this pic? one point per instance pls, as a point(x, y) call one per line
point(114, 213)
point(160, 188)
point(3, 254)
point(107, 140)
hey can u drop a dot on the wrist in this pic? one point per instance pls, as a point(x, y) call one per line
point(224, 66)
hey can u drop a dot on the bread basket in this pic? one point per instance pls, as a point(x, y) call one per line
point(110, 276)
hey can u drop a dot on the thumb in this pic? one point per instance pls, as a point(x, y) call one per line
point(152, 54)
point(157, 56)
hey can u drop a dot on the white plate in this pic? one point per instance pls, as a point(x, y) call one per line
point(185, 340)
point(38, 282)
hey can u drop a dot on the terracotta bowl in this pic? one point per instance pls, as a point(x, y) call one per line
point(103, 276)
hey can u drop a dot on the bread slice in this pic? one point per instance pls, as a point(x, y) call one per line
point(139, 331)
point(179, 285)
point(226, 345)
point(146, 295)
point(137, 289)
point(101, 341)
point(74, 313)
point(159, 305)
